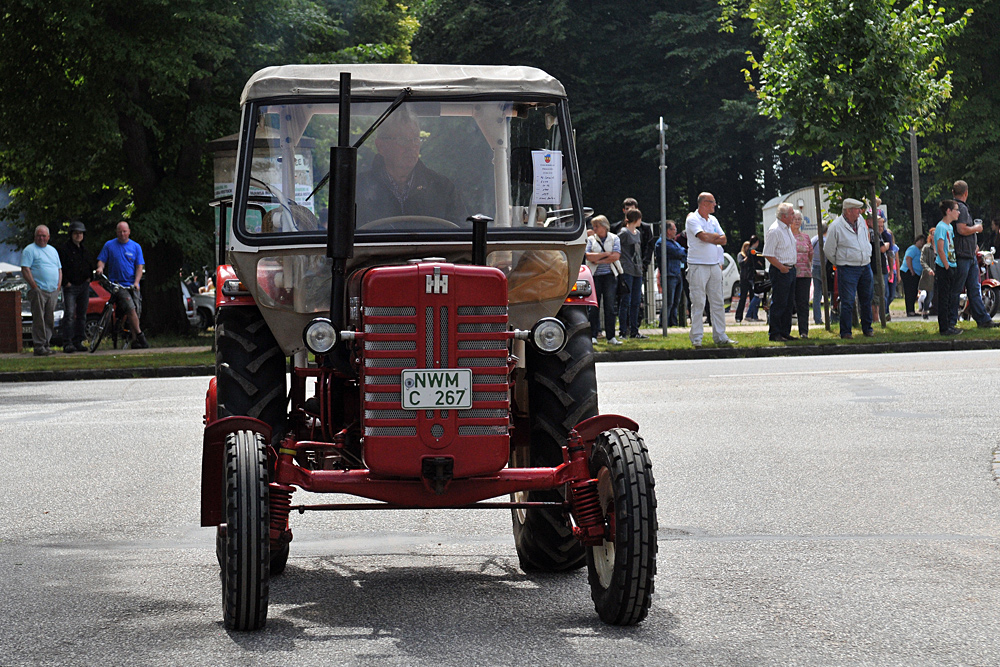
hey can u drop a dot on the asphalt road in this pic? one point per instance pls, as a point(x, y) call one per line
point(816, 510)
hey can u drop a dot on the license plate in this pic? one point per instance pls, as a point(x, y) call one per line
point(445, 389)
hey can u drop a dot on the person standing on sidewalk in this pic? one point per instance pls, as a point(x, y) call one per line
point(849, 247)
point(78, 267)
point(631, 259)
point(817, 276)
point(779, 251)
point(946, 269)
point(967, 276)
point(910, 270)
point(603, 250)
point(676, 258)
point(42, 270)
point(927, 255)
point(705, 240)
point(803, 274)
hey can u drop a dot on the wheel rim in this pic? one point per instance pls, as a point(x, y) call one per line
point(604, 554)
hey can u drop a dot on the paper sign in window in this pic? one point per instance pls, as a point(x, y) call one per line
point(548, 177)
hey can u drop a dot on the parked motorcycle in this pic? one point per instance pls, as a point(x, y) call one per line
point(989, 285)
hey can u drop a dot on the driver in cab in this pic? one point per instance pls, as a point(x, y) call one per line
point(400, 184)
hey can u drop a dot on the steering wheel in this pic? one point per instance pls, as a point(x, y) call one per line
point(409, 222)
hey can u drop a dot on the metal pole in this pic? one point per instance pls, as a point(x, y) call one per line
point(918, 222)
point(665, 301)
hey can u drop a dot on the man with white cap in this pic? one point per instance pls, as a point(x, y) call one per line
point(849, 247)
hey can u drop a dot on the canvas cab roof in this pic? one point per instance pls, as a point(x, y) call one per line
point(386, 80)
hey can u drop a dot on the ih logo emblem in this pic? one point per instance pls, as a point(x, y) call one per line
point(436, 284)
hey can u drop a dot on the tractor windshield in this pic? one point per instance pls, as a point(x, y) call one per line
point(426, 169)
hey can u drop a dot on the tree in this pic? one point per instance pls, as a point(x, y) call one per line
point(108, 106)
point(625, 64)
point(851, 75)
point(965, 142)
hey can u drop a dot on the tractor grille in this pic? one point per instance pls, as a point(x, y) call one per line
point(431, 336)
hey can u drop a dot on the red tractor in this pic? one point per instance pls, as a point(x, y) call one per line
point(404, 242)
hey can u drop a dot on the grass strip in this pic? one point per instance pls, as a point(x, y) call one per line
point(894, 332)
point(152, 358)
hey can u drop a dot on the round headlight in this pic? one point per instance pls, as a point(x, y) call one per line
point(320, 336)
point(548, 335)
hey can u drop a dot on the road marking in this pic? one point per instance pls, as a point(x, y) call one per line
point(744, 375)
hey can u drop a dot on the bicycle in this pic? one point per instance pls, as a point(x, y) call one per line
point(110, 320)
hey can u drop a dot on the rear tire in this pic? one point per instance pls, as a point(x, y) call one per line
point(249, 367)
point(246, 538)
point(621, 571)
point(562, 392)
point(279, 558)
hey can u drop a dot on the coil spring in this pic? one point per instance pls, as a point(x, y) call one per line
point(281, 504)
point(587, 504)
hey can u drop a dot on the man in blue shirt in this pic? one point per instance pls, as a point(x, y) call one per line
point(42, 270)
point(124, 261)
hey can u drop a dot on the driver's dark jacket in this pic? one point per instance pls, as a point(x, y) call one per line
point(430, 194)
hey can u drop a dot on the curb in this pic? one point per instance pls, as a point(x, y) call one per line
point(108, 374)
point(951, 345)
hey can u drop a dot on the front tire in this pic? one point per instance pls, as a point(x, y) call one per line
point(990, 300)
point(622, 569)
point(245, 541)
point(97, 333)
point(562, 392)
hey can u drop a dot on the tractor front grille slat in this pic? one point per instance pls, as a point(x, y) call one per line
point(390, 362)
point(390, 414)
point(482, 345)
point(492, 396)
point(391, 328)
point(479, 429)
point(482, 413)
point(390, 431)
point(480, 362)
point(382, 397)
point(482, 327)
point(390, 344)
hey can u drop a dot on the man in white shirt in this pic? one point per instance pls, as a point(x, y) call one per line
point(705, 240)
point(779, 251)
point(848, 246)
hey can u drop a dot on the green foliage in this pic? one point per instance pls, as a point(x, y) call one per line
point(108, 106)
point(624, 65)
point(853, 75)
point(965, 142)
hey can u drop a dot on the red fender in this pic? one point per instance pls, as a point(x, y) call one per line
point(589, 429)
point(211, 403)
point(213, 461)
